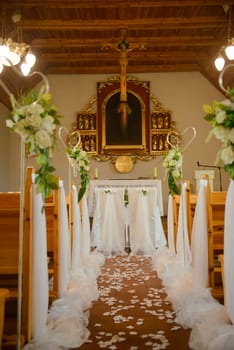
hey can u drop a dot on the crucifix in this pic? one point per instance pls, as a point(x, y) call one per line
point(124, 48)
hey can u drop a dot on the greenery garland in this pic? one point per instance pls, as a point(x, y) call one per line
point(172, 162)
point(79, 161)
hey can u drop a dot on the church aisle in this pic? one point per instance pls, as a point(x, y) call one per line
point(132, 312)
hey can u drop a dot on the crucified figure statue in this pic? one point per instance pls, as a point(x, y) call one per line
point(124, 48)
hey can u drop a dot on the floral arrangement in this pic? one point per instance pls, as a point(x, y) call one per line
point(221, 117)
point(35, 120)
point(172, 162)
point(80, 163)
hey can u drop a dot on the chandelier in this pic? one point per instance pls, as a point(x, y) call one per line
point(226, 51)
point(13, 53)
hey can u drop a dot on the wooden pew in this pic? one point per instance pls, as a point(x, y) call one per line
point(9, 243)
point(215, 213)
point(4, 293)
point(9, 259)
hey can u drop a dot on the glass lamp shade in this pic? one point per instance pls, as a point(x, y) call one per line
point(1, 68)
point(219, 63)
point(12, 58)
point(25, 69)
point(230, 50)
point(3, 50)
point(30, 59)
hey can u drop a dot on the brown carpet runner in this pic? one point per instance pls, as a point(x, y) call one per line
point(132, 312)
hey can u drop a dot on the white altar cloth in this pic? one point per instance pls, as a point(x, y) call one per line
point(124, 183)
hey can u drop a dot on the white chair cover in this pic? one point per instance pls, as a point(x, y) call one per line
point(170, 226)
point(228, 251)
point(40, 289)
point(156, 227)
point(182, 241)
point(64, 242)
point(200, 239)
point(109, 226)
point(76, 260)
point(141, 237)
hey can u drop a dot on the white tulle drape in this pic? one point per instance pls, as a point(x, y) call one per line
point(64, 240)
point(200, 239)
point(64, 325)
point(109, 224)
point(170, 225)
point(185, 285)
point(76, 260)
point(228, 251)
point(85, 225)
point(40, 290)
point(141, 235)
point(156, 227)
point(182, 238)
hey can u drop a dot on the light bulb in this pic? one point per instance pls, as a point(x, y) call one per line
point(1, 68)
point(30, 59)
point(4, 50)
point(230, 50)
point(25, 69)
point(219, 63)
point(12, 58)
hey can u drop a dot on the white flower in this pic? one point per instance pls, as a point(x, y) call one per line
point(9, 123)
point(228, 103)
point(227, 155)
point(82, 163)
point(42, 139)
point(35, 109)
point(221, 133)
point(231, 136)
point(172, 163)
point(47, 124)
point(220, 116)
point(33, 120)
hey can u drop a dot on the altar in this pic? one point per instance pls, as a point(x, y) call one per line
point(124, 183)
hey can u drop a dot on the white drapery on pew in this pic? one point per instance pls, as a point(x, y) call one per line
point(170, 225)
point(145, 226)
point(182, 237)
point(76, 259)
point(109, 225)
point(193, 303)
point(200, 239)
point(228, 251)
point(40, 289)
point(64, 326)
point(64, 240)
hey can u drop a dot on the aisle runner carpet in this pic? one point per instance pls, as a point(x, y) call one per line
point(132, 312)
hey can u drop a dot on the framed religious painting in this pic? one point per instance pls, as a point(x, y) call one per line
point(123, 127)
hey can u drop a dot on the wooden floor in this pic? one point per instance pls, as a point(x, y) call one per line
point(132, 312)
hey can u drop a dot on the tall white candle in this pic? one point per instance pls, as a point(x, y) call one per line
point(155, 173)
point(95, 173)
